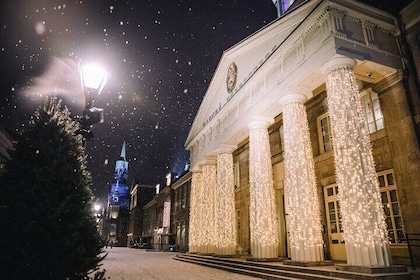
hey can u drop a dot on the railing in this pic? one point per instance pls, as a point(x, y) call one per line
point(413, 241)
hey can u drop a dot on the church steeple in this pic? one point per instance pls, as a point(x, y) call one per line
point(121, 166)
point(123, 152)
point(118, 196)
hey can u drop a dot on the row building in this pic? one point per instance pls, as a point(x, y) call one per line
point(306, 144)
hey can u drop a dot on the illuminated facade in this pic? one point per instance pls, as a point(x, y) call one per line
point(117, 217)
point(166, 216)
point(320, 117)
point(180, 211)
point(140, 195)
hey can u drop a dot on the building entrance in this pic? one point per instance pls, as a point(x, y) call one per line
point(335, 230)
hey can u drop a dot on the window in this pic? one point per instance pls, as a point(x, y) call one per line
point(184, 196)
point(373, 112)
point(281, 138)
point(391, 205)
point(236, 175)
point(324, 133)
point(333, 211)
point(177, 199)
point(133, 200)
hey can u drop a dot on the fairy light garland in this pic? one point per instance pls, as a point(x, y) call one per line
point(225, 209)
point(194, 224)
point(263, 223)
point(363, 219)
point(302, 205)
point(207, 198)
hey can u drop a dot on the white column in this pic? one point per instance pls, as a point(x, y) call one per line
point(301, 199)
point(363, 218)
point(208, 196)
point(262, 208)
point(195, 206)
point(225, 203)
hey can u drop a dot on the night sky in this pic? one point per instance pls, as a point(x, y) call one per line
point(161, 56)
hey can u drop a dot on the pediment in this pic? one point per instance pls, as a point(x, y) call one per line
point(248, 55)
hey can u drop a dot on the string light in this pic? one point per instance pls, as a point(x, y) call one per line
point(263, 223)
point(363, 219)
point(225, 209)
point(207, 208)
point(194, 224)
point(302, 205)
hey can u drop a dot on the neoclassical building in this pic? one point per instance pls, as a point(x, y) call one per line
point(306, 143)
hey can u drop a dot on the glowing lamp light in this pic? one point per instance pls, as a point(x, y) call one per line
point(97, 207)
point(114, 211)
point(93, 76)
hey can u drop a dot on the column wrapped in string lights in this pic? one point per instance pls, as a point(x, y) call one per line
point(208, 204)
point(301, 199)
point(225, 203)
point(262, 208)
point(363, 218)
point(195, 214)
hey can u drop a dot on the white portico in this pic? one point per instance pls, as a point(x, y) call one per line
point(272, 73)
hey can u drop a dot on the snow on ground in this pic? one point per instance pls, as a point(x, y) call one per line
point(135, 264)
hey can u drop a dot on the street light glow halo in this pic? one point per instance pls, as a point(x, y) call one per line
point(97, 207)
point(93, 76)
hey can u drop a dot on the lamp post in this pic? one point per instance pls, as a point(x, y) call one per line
point(93, 78)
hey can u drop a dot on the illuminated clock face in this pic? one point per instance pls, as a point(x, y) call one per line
point(232, 75)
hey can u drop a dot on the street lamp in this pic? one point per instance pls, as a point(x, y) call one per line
point(97, 207)
point(93, 78)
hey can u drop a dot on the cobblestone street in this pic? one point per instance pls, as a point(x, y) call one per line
point(134, 264)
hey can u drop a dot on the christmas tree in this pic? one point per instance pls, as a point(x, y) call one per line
point(48, 230)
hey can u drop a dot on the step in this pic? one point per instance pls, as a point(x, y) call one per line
point(254, 270)
point(291, 271)
point(235, 270)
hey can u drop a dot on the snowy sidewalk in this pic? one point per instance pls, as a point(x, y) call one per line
point(134, 264)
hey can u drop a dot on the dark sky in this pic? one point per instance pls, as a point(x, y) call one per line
point(161, 55)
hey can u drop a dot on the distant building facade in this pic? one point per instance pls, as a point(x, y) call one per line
point(150, 224)
point(181, 211)
point(116, 219)
point(140, 195)
point(166, 216)
point(306, 144)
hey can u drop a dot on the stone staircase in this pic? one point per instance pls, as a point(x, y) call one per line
point(279, 270)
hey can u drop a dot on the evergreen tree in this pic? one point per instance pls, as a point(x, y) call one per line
point(48, 229)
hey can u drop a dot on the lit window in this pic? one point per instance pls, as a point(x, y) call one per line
point(373, 112)
point(391, 205)
point(324, 133)
point(184, 197)
point(177, 199)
